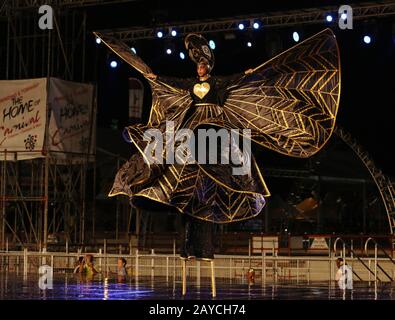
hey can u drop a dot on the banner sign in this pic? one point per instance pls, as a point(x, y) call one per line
point(72, 119)
point(319, 243)
point(136, 96)
point(23, 106)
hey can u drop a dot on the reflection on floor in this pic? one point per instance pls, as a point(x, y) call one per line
point(73, 287)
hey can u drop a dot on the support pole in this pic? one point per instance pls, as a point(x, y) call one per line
point(46, 148)
point(7, 70)
point(138, 219)
point(83, 194)
point(364, 207)
point(213, 287)
point(45, 233)
point(3, 192)
point(184, 276)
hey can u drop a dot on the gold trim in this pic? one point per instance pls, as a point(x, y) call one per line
point(205, 104)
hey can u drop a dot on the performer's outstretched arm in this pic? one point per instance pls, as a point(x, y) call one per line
point(226, 81)
point(180, 83)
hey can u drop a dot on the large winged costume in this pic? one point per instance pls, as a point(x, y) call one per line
point(288, 103)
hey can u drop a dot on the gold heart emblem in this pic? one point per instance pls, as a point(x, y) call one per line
point(201, 89)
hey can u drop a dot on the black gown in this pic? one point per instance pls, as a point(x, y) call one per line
point(198, 237)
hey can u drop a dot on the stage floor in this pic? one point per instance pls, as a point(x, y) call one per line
point(72, 287)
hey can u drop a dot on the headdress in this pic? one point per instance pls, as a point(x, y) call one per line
point(199, 50)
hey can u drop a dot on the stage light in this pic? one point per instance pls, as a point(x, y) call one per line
point(98, 40)
point(211, 43)
point(182, 55)
point(249, 44)
point(173, 33)
point(113, 64)
point(343, 16)
point(255, 25)
point(134, 50)
point(367, 39)
point(241, 26)
point(295, 36)
point(168, 51)
point(159, 34)
point(329, 18)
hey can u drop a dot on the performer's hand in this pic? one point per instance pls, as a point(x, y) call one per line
point(151, 76)
point(249, 71)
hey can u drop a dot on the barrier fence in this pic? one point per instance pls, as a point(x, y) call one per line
point(271, 268)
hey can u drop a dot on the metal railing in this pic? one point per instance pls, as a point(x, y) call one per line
point(270, 268)
point(367, 267)
point(377, 265)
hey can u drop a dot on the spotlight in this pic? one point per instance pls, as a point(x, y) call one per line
point(159, 34)
point(255, 25)
point(295, 36)
point(241, 26)
point(249, 44)
point(168, 51)
point(98, 40)
point(367, 39)
point(134, 50)
point(329, 18)
point(343, 16)
point(113, 64)
point(182, 55)
point(211, 43)
point(173, 33)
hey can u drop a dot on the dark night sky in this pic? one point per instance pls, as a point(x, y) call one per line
point(367, 71)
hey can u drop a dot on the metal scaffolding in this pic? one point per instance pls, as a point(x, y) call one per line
point(28, 4)
point(44, 198)
point(32, 52)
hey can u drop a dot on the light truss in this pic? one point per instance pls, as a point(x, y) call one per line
point(30, 4)
point(274, 19)
point(383, 183)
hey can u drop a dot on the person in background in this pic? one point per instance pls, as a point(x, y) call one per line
point(79, 265)
point(89, 267)
point(344, 275)
point(121, 269)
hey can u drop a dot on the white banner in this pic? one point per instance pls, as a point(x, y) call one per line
point(72, 120)
point(22, 118)
point(136, 96)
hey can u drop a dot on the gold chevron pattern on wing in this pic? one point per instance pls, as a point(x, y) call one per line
point(290, 103)
point(168, 103)
point(191, 191)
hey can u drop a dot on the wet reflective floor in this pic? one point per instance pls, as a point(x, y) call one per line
point(65, 286)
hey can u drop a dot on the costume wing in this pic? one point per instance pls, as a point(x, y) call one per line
point(291, 101)
point(168, 103)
